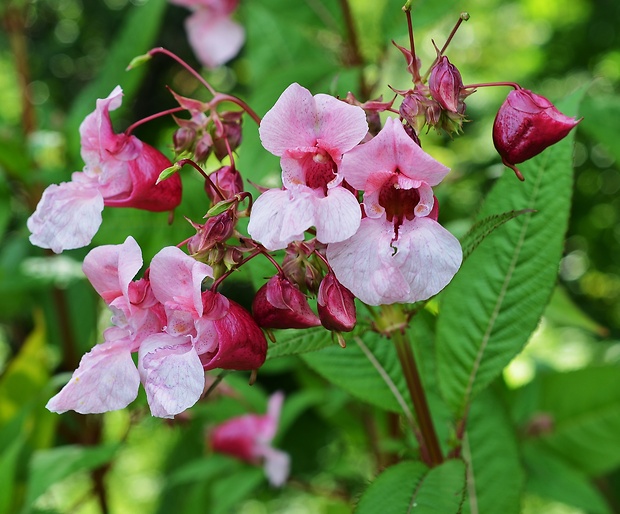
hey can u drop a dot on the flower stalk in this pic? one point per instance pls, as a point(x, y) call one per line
point(429, 445)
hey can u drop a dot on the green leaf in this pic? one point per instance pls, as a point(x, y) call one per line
point(136, 36)
point(495, 474)
point(551, 477)
point(368, 368)
point(292, 342)
point(51, 466)
point(495, 301)
point(584, 408)
point(481, 229)
point(9, 460)
point(564, 312)
point(411, 487)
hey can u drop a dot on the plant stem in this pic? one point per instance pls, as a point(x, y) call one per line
point(420, 405)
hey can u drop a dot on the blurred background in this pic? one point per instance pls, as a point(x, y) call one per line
point(58, 56)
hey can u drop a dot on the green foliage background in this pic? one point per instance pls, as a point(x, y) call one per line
point(58, 56)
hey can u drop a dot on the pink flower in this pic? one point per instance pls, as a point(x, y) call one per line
point(249, 438)
point(310, 134)
point(120, 171)
point(177, 330)
point(212, 34)
point(400, 253)
point(107, 378)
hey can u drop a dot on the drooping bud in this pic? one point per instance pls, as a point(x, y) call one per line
point(241, 344)
point(279, 304)
point(336, 305)
point(228, 181)
point(445, 84)
point(525, 125)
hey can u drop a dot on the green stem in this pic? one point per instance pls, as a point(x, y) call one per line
point(420, 405)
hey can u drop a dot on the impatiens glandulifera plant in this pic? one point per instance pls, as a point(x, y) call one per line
point(355, 223)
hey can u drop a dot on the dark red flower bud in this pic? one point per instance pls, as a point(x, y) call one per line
point(445, 84)
point(336, 305)
point(279, 304)
point(525, 125)
point(228, 181)
point(241, 344)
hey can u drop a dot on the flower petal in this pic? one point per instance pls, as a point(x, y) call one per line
point(214, 37)
point(110, 268)
point(337, 216)
point(176, 278)
point(291, 122)
point(171, 373)
point(416, 266)
point(390, 150)
point(67, 216)
point(281, 216)
point(105, 380)
point(428, 256)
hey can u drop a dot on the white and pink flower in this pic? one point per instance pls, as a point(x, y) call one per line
point(310, 134)
point(178, 330)
point(120, 171)
point(400, 252)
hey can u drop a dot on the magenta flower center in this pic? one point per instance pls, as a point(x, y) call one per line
point(399, 204)
point(320, 170)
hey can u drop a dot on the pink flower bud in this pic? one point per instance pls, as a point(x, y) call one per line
point(229, 129)
point(228, 181)
point(336, 305)
point(216, 230)
point(279, 304)
point(183, 139)
point(203, 148)
point(525, 125)
point(445, 84)
point(241, 343)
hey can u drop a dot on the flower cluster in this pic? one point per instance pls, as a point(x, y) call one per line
point(356, 216)
point(388, 249)
point(178, 330)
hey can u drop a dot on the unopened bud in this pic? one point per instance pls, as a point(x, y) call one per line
point(183, 139)
point(279, 304)
point(228, 181)
point(203, 148)
point(228, 130)
point(525, 125)
point(445, 84)
point(216, 230)
point(336, 305)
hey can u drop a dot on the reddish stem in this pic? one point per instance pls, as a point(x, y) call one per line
point(222, 97)
point(183, 162)
point(513, 85)
point(416, 72)
point(201, 79)
point(131, 127)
